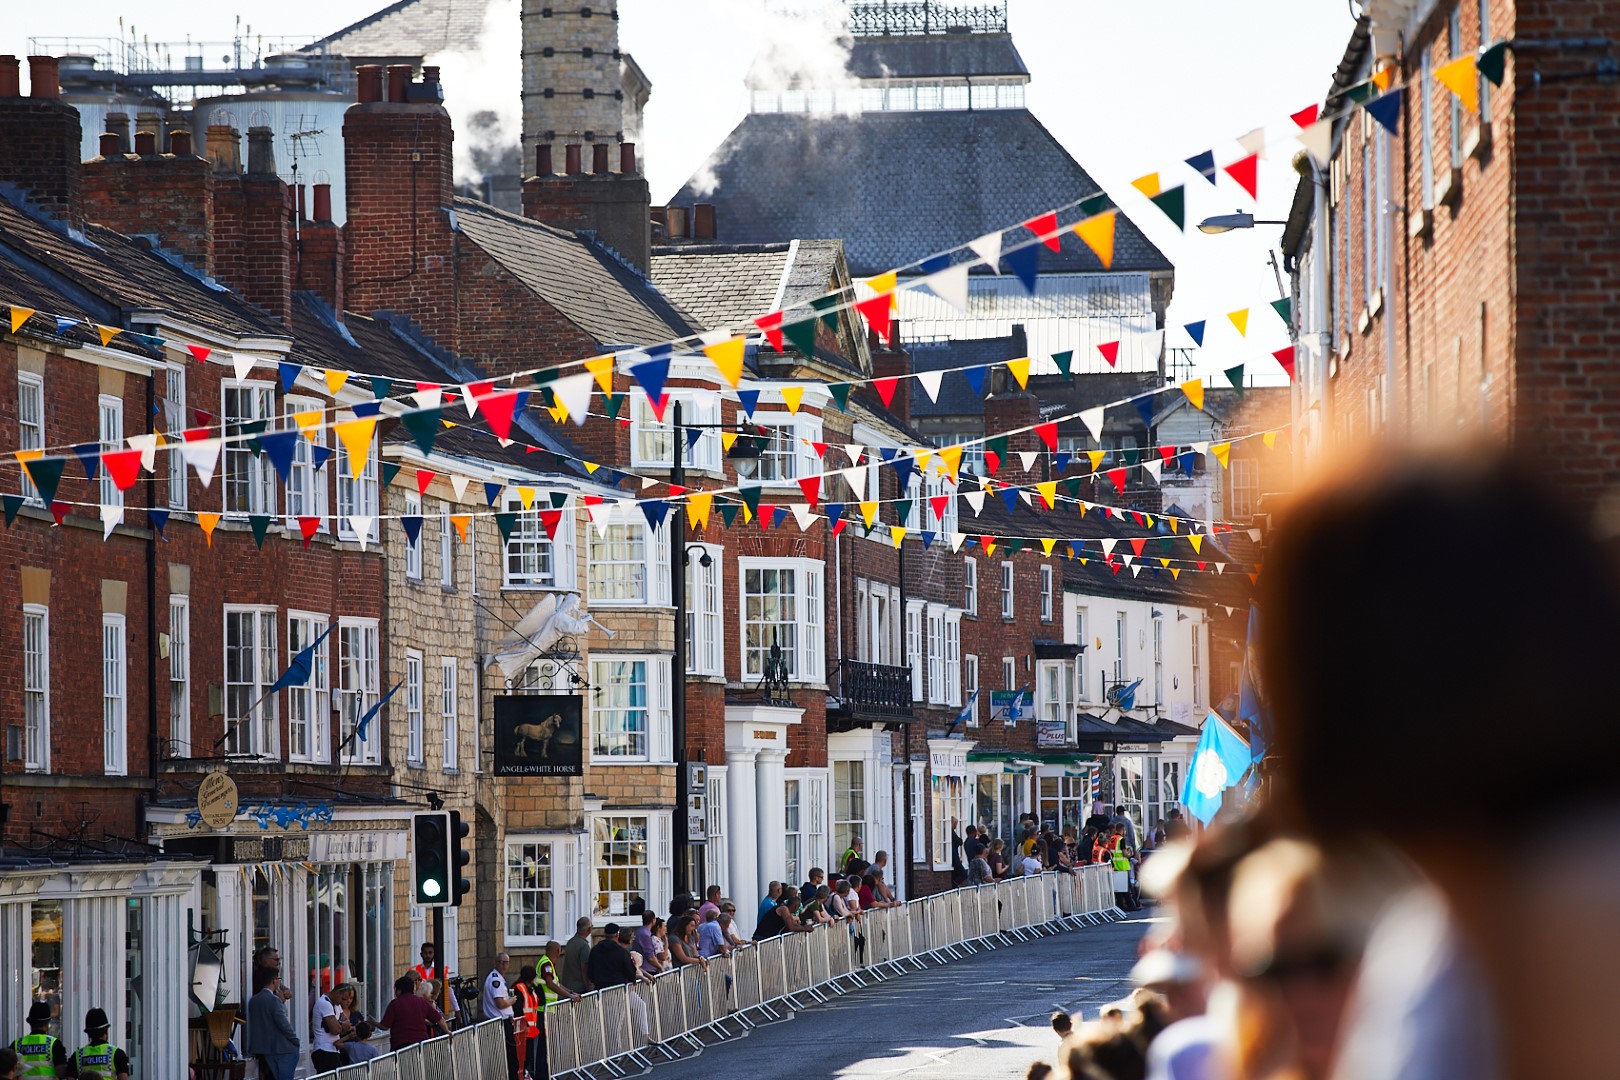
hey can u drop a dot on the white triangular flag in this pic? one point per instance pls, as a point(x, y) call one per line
point(957, 540)
point(472, 402)
point(1254, 142)
point(804, 515)
point(602, 516)
point(361, 525)
point(458, 484)
point(1126, 559)
point(431, 398)
point(1254, 534)
point(951, 285)
point(1108, 543)
point(1220, 568)
point(147, 445)
point(111, 518)
point(1136, 571)
point(988, 248)
point(1023, 493)
point(1153, 468)
point(1093, 419)
point(1200, 447)
point(1317, 139)
point(243, 364)
point(1027, 458)
point(974, 499)
point(202, 455)
point(574, 392)
point(929, 381)
point(856, 479)
point(854, 450)
point(648, 481)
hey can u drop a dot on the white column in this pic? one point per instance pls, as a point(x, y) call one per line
point(163, 985)
point(771, 803)
point(16, 940)
point(92, 961)
point(741, 837)
point(228, 890)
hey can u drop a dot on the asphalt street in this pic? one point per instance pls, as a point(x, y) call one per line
point(983, 1017)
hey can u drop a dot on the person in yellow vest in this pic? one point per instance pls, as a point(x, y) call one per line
point(39, 1053)
point(99, 1060)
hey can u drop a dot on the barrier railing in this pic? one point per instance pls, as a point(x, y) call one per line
point(474, 1053)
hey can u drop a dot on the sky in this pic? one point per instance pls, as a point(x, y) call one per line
point(1128, 87)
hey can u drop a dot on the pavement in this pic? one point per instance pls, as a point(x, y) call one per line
point(987, 1016)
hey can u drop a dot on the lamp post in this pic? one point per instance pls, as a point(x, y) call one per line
point(1223, 223)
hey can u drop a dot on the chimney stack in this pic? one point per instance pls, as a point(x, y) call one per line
point(40, 140)
point(542, 160)
point(118, 124)
point(576, 88)
point(368, 79)
point(110, 146)
point(261, 151)
point(171, 197)
point(599, 159)
point(222, 145)
point(703, 221)
point(399, 81)
point(320, 252)
point(253, 219)
point(146, 143)
point(10, 76)
point(627, 158)
point(180, 143)
point(617, 207)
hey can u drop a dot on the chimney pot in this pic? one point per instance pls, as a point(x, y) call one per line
point(399, 80)
point(542, 160)
point(571, 159)
point(223, 145)
point(599, 159)
point(627, 158)
point(118, 124)
point(44, 81)
point(675, 218)
point(369, 80)
point(261, 151)
point(323, 202)
point(430, 73)
point(180, 143)
point(146, 143)
point(111, 145)
point(10, 76)
point(703, 221)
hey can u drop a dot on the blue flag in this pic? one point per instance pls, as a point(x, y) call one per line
point(1218, 763)
point(359, 735)
point(967, 710)
point(298, 671)
point(1251, 708)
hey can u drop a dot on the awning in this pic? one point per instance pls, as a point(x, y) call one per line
point(1047, 649)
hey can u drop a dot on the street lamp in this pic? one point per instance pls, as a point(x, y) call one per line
point(1222, 223)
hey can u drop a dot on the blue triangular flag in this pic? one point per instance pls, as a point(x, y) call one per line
point(749, 399)
point(1025, 262)
point(279, 447)
point(650, 374)
point(654, 511)
point(159, 520)
point(1204, 165)
point(64, 325)
point(1144, 406)
point(1060, 460)
point(492, 491)
point(290, 370)
point(319, 455)
point(300, 666)
point(1074, 548)
point(1195, 330)
point(778, 515)
point(412, 524)
point(975, 379)
point(1189, 461)
point(692, 437)
point(834, 512)
point(928, 539)
point(364, 409)
point(934, 264)
point(1009, 495)
point(903, 467)
point(1386, 109)
point(90, 458)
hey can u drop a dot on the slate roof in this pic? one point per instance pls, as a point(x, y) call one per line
point(722, 286)
point(412, 28)
point(935, 56)
point(862, 179)
point(956, 397)
point(601, 295)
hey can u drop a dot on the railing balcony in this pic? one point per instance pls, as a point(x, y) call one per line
point(874, 691)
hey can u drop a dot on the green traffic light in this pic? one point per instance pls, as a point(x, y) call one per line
point(431, 887)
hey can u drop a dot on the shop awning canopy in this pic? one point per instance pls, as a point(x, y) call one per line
point(1120, 727)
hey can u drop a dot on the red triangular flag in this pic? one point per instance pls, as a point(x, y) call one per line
point(498, 410)
point(939, 502)
point(1115, 566)
point(772, 325)
point(878, 315)
point(1118, 478)
point(479, 390)
point(821, 449)
point(992, 461)
point(1045, 226)
point(676, 491)
point(424, 477)
point(1137, 544)
point(200, 352)
point(59, 510)
point(885, 388)
point(204, 418)
point(1246, 171)
point(1167, 452)
point(422, 387)
point(766, 512)
point(811, 486)
point(839, 526)
point(1306, 116)
point(1048, 434)
point(658, 408)
point(987, 542)
point(309, 526)
point(1110, 352)
point(124, 466)
point(1201, 565)
point(1285, 357)
point(550, 518)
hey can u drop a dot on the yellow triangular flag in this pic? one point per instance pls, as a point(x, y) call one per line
point(885, 283)
point(1165, 563)
point(697, 508)
point(1149, 519)
point(602, 368)
point(19, 315)
point(356, 438)
point(1240, 319)
point(559, 412)
point(1461, 77)
point(1222, 452)
point(1270, 439)
point(108, 332)
point(1194, 389)
point(989, 545)
point(1175, 573)
point(527, 495)
point(869, 512)
point(728, 357)
point(1148, 185)
point(1096, 457)
point(206, 522)
point(1175, 524)
point(952, 457)
point(1048, 543)
point(1384, 77)
point(727, 438)
point(1020, 370)
point(461, 521)
point(1048, 490)
point(309, 422)
point(1098, 233)
point(897, 533)
point(793, 395)
point(1197, 541)
point(923, 457)
point(748, 515)
point(335, 380)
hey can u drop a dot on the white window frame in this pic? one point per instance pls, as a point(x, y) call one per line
point(849, 801)
point(1054, 683)
point(413, 708)
point(450, 712)
point(114, 695)
point(916, 656)
point(617, 574)
point(174, 422)
point(1245, 487)
point(1454, 46)
point(1426, 88)
point(970, 586)
point(1158, 661)
point(110, 435)
point(1009, 674)
point(179, 675)
point(970, 686)
point(936, 655)
point(953, 658)
point(1197, 654)
point(1046, 592)
point(652, 741)
point(919, 813)
point(30, 427)
point(528, 530)
point(36, 688)
point(413, 551)
point(656, 837)
point(254, 735)
point(795, 863)
point(1121, 637)
point(309, 707)
point(357, 688)
point(1008, 580)
point(447, 551)
point(705, 610)
point(1080, 661)
point(306, 486)
point(948, 800)
point(650, 438)
point(542, 925)
point(241, 471)
point(357, 495)
point(804, 653)
point(788, 445)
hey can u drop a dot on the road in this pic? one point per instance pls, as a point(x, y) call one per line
point(983, 1017)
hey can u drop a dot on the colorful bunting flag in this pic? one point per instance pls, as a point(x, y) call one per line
point(1045, 227)
point(1284, 309)
point(1098, 235)
point(1386, 109)
point(1148, 185)
point(356, 438)
point(1240, 319)
point(19, 315)
point(1285, 357)
point(1110, 352)
point(1461, 78)
point(1246, 172)
point(1174, 204)
point(988, 248)
point(1204, 165)
point(878, 315)
point(1020, 370)
point(727, 356)
point(1025, 263)
point(1194, 389)
point(1306, 116)
point(650, 375)
point(1234, 375)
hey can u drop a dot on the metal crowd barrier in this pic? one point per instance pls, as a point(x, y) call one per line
point(474, 1053)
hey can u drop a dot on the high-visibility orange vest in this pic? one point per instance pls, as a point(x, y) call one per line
point(531, 1007)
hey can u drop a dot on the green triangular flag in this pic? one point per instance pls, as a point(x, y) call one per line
point(997, 445)
point(840, 393)
point(1072, 483)
point(902, 509)
point(1064, 360)
point(1096, 204)
point(1362, 92)
point(548, 397)
point(506, 521)
point(1174, 204)
point(877, 520)
point(424, 427)
point(802, 335)
point(1013, 544)
point(261, 525)
point(1132, 456)
point(613, 403)
point(12, 503)
point(1492, 62)
point(750, 495)
point(549, 375)
point(1165, 546)
point(46, 473)
point(390, 469)
point(829, 319)
point(728, 510)
point(559, 499)
point(380, 386)
point(1234, 375)
point(254, 428)
point(1284, 308)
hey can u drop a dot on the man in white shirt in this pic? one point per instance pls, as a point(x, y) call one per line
point(497, 1004)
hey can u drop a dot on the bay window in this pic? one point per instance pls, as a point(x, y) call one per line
point(782, 609)
point(627, 561)
point(787, 453)
point(651, 439)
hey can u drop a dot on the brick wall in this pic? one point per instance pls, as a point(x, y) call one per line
point(165, 195)
point(41, 137)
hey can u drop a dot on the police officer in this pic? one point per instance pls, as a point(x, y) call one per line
point(100, 1060)
point(39, 1053)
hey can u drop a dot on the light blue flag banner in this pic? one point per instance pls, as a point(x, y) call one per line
point(1218, 763)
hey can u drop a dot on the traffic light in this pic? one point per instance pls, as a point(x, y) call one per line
point(430, 854)
point(460, 857)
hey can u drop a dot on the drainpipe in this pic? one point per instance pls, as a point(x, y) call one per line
point(1322, 310)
